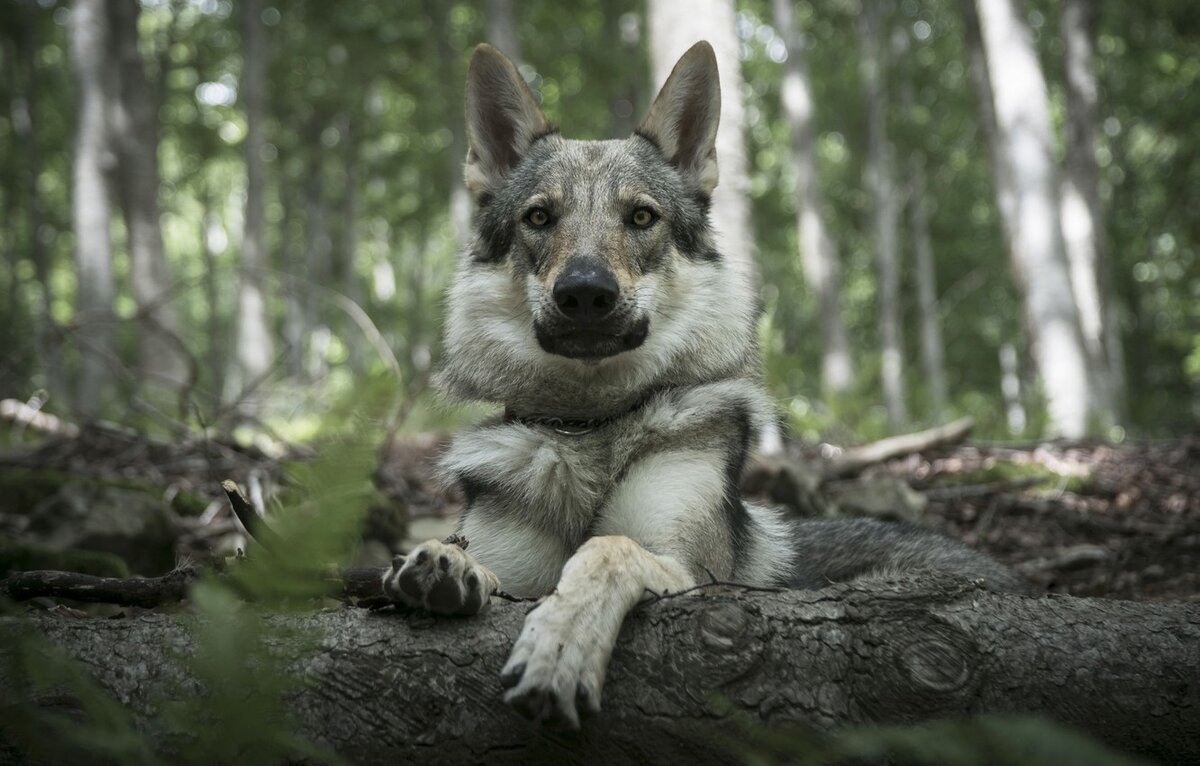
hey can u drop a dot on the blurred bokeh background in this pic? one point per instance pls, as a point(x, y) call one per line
point(221, 213)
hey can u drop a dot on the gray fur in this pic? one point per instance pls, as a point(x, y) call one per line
point(594, 306)
point(673, 414)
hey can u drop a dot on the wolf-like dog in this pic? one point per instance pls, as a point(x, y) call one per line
point(595, 306)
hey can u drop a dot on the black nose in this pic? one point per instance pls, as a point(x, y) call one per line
point(586, 292)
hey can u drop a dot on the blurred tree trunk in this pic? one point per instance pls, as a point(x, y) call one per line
point(885, 209)
point(624, 30)
point(351, 285)
point(932, 347)
point(214, 359)
point(1010, 387)
point(1081, 215)
point(24, 115)
point(255, 347)
point(316, 271)
point(134, 121)
point(673, 28)
point(91, 209)
point(818, 252)
point(460, 199)
point(1025, 141)
point(291, 260)
point(502, 28)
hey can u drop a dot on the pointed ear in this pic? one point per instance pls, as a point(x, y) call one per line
point(683, 119)
point(503, 118)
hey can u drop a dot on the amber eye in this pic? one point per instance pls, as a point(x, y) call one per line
point(643, 217)
point(538, 217)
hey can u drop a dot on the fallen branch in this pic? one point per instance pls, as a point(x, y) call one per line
point(853, 460)
point(29, 416)
point(398, 686)
point(122, 591)
point(349, 584)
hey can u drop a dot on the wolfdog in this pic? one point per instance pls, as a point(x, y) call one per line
point(594, 305)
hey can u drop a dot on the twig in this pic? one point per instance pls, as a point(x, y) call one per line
point(853, 460)
point(255, 527)
point(32, 417)
point(656, 597)
point(134, 591)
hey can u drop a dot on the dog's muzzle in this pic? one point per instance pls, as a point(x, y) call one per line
point(588, 320)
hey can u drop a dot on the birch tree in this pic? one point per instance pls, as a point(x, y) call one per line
point(1082, 239)
point(254, 344)
point(885, 208)
point(91, 209)
point(818, 251)
point(673, 27)
point(1024, 145)
point(502, 28)
point(134, 119)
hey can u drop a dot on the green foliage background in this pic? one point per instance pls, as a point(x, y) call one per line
point(361, 97)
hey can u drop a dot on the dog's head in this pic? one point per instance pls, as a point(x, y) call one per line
point(593, 274)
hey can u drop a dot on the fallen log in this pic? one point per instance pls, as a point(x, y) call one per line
point(399, 686)
point(853, 460)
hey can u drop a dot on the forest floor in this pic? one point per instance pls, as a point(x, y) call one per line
point(1088, 519)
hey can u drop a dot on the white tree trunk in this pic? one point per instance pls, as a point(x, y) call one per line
point(255, 345)
point(673, 28)
point(1082, 238)
point(885, 209)
point(818, 252)
point(162, 362)
point(1025, 141)
point(932, 348)
point(91, 210)
point(502, 28)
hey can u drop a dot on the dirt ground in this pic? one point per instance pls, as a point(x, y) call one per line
point(1088, 519)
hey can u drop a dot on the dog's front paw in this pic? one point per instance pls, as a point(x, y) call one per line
point(556, 668)
point(440, 577)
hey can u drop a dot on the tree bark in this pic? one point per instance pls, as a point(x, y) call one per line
point(818, 251)
point(91, 209)
point(1025, 144)
point(255, 346)
point(885, 208)
point(1083, 237)
point(673, 28)
point(688, 672)
point(134, 121)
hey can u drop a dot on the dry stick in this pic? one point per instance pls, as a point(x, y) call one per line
point(133, 591)
point(853, 460)
point(255, 527)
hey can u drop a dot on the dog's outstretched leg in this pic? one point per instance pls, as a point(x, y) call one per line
point(558, 663)
point(441, 577)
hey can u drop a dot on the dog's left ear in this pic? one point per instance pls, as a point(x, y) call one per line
point(683, 118)
point(503, 119)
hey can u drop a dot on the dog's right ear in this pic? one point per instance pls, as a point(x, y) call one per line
point(503, 119)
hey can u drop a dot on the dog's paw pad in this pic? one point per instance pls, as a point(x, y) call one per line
point(440, 577)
